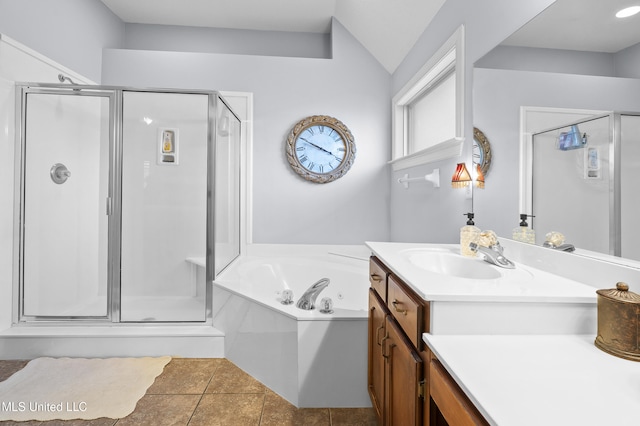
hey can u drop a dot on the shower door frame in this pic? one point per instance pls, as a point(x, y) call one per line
point(22, 90)
point(114, 200)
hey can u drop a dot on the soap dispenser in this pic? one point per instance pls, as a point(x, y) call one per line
point(523, 233)
point(468, 234)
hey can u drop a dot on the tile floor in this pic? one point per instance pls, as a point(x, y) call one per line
point(212, 391)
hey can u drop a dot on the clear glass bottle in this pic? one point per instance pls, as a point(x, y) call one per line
point(468, 234)
point(523, 233)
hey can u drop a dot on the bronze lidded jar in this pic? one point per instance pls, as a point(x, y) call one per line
point(619, 322)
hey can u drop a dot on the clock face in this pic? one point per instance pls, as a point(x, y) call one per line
point(478, 154)
point(320, 149)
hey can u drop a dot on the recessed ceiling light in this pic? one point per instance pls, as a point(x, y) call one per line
point(628, 11)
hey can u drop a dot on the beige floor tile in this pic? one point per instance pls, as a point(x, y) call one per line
point(8, 367)
point(228, 410)
point(353, 417)
point(103, 421)
point(228, 378)
point(161, 410)
point(232, 397)
point(279, 412)
point(185, 376)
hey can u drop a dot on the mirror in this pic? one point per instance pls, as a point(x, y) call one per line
point(575, 57)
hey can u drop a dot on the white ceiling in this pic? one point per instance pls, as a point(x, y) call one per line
point(586, 25)
point(388, 29)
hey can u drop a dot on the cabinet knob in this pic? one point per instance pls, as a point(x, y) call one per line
point(377, 278)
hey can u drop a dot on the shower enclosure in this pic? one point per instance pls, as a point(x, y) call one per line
point(120, 194)
point(583, 177)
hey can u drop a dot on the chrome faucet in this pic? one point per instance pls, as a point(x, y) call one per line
point(493, 254)
point(308, 299)
point(561, 247)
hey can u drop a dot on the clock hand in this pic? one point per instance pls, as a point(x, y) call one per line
point(316, 146)
point(322, 149)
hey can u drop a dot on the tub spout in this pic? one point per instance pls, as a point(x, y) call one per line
point(308, 299)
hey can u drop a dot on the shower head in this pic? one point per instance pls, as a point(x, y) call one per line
point(62, 78)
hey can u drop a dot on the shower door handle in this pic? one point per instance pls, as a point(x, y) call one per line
point(108, 206)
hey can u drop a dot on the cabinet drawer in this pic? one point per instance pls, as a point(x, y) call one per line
point(407, 308)
point(378, 274)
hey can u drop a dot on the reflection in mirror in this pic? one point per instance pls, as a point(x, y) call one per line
point(571, 183)
point(553, 62)
point(481, 151)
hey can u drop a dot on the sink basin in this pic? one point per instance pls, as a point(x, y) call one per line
point(447, 262)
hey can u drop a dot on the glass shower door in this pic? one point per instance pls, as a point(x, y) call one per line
point(64, 223)
point(226, 186)
point(164, 206)
point(628, 195)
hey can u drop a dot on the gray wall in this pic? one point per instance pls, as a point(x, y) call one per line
point(624, 64)
point(627, 62)
point(549, 60)
point(351, 86)
point(70, 32)
point(224, 40)
point(427, 214)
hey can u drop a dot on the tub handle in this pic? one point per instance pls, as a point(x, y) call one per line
point(59, 173)
point(395, 304)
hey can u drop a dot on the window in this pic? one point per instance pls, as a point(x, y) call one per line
point(428, 113)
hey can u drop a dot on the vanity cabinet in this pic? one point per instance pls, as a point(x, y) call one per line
point(407, 384)
point(449, 406)
point(396, 376)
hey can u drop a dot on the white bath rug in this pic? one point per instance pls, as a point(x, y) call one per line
point(77, 388)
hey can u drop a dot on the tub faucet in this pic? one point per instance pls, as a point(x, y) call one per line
point(308, 299)
point(493, 254)
point(561, 247)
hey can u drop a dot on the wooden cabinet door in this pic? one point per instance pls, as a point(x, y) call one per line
point(376, 363)
point(402, 379)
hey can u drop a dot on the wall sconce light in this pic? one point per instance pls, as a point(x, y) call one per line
point(461, 177)
point(479, 180)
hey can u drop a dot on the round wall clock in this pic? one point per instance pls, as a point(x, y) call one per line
point(481, 150)
point(320, 148)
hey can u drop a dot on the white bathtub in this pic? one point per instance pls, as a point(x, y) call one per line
point(309, 358)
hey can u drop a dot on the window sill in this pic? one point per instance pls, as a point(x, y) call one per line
point(447, 149)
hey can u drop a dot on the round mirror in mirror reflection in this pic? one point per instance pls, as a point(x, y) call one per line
point(481, 150)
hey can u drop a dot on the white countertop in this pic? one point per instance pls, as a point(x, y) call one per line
point(522, 284)
point(542, 380)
